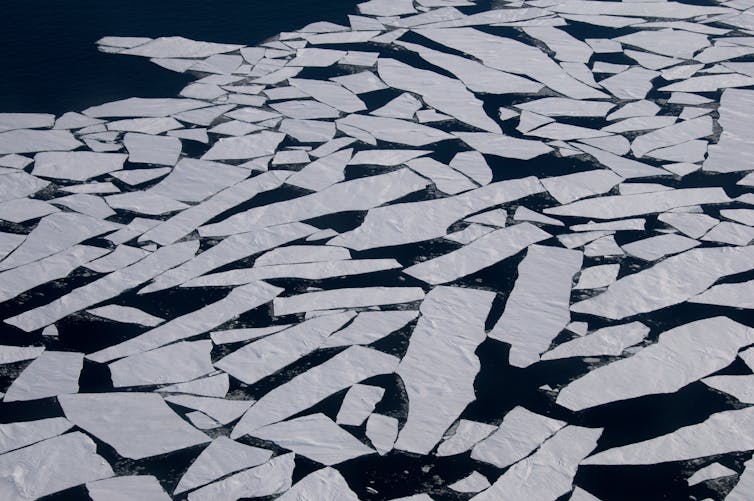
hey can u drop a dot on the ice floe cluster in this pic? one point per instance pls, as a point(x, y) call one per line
point(446, 251)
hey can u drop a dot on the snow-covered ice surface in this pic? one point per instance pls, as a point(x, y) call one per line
point(448, 249)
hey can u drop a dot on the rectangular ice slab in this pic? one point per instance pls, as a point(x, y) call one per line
point(537, 308)
point(136, 425)
point(346, 298)
point(681, 356)
point(439, 367)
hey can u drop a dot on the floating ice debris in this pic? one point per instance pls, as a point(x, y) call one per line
point(219, 409)
point(521, 432)
point(682, 355)
point(452, 324)
point(146, 149)
point(212, 386)
point(504, 146)
point(672, 135)
point(329, 93)
point(571, 187)
point(76, 165)
point(558, 106)
point(122, 256)
point(395, 130)
point(302, 254)
point(51, 374)
point(51, 466)
point(403, 106)
point(358, 194)
point(693, 225)
point(136, 425)
point(326, 483)
point(445, 94)
point(382, 431)
point(473, 483)
point(308, 131)
point(245, 147)
point(473, 165)
point(91, 205)
point(445, 179)
point(730, 233)
point(239, 300)
point(469, 234)
point(270, 478)
point(466, 435)
point(321, 173)
point(346, 298)
point(105, 288)
point(144, 202)
point(358, 404)
point(624, 167)
point(351, 366)
point(179, 47)
point(231, 249)
point(495, 217)
point(385, 157)
point(316, 437)
point(709, 472)
point(545, 272)
point(10, 121)
point(722, 432)
point(126, 314)
point(657, 247)
point(194, 180)
point(596, 277)
point(142, 487)
point(618, 206)
point(17, 435)
point(221, 457)
point(17, 185)
point(175, 363)
point(265, 357)
point(548, 473)
point(360, 83)
point(736, 295)
point(739, 387)
point(605, 246)
point(512, 56)
point(606, 341)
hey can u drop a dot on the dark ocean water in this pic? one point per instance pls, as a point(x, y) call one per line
point(50, 62)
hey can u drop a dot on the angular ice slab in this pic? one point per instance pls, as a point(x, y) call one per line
point(672, 281)
point(17, 435)
point(51, 374)
point(382, 430)
point(345, 298)
point(445, 94)
point(126, 314)
point(723, 432)
point(439, 367)
point(326, 483)
point(144, 107)
point(504, 146)
point(529, 326)
point(315, 437)
point(681, 356)
point(479, 254)
point(606, 341)
point(547, 474)
point(657, 247)
point(76, 165)
point(734, 151)
point(106, 287)
point(736, 295)
point(394, 130)
point(239, 300)
point(345, 369)
point(175, 363)
point(245, 147)
point(619, 206)
point(136, 425)
point(358, 404)
point(51, 466)
point(520, 433)
point(270, 478)
point(32, 141)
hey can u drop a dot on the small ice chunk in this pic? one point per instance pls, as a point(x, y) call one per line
point(32, 141)
point(51, 374)
point(194, 180)
point(730, 233)
point(20, 434)
point(521, 432)
point(179, 47)
point(559, 106)
point(144, 202)
point(382, 431)
point(360, 83)
point(245, 147)
point(739, 387)
point(370, 326)
point(445, 338)
point(385, 157)
point(571, 187)
point(321, 173)
point(350, 366)
point(395, 130)
point(91, 205)
point(136, 425)
point(345, 298)
point(546, 273)
point(302, 254)
point(270, 478)
point(681, 356)
point(469, 234)
point(51, 466)
point(212, 386)
point(504, 146)
point(12, 354)
point(358, 404)
point(606, 341)
point(445, 179)
point(76, 165)
point(403, 106)
point(495, 217)
point(736, 295)
point(145, 125)
point(474, 482)
point(144, 107)
point(222, 410)
point(693, 225)
point(473, 165)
